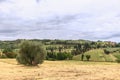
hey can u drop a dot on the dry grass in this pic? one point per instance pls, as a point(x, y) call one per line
point(59, 70)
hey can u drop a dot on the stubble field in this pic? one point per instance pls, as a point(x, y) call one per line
point(59, 70)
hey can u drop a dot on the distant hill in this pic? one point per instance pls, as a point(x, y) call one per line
point(99, 55)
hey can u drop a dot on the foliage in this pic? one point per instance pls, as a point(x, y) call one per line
point(96, 55)
point(10, 55)
point(69, 56)
point(8, 49)
point(59, 56)
point(51, 56)
point(3, 56)
point(82, 48)
point(71, 47)
point(82, 57)
point(106, 51)
point(111, 50)
point(31, 53)
point(118, 60)
point(8, 52)
point(117, 55)
point(75, 52)
point(88, 57)
point(51, 48)
point(66, 43)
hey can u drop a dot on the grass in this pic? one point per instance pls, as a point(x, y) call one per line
point(109, 57)
point(67, 62)
point(98, 55)
point(117, 55)
point(59, 70)
point(9, 61)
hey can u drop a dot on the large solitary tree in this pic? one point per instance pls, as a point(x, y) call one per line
point(31, 53)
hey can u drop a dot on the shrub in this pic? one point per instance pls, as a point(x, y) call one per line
point(118, 60)
point(75, 52)
point(111, 50)
point(69, 56)
point(8, 52)
point(61, 56)
point(106, 51)
point(58, 56)
point(10, 55)
point(3, 56)
point(31, 53)
point(88, 57)
point(51, 56)
point(82, 57)
point(8, 49)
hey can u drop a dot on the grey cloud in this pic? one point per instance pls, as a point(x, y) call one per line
point(61, 22)
point(38, 1)
point(2, 0)
point(69, 18)
point(114, 35)
point(118, 15)
point(80, 25)
point(52, 28)
point(102, 35)
point(56, 19)
point(6, 31)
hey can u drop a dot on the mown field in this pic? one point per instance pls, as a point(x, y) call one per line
point(60, 70)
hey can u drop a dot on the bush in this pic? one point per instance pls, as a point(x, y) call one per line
point(69, 56)
point(61, 56)
point(88, 57)
point(3, 56)
point(31, 53)
point(118, 60)
point(111, 50)
point(82, 57)
point(58, 56)
point(75, 52)
point(51, 56)
point(8, 53)
point(106, 51)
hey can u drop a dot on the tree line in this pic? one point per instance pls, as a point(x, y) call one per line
point(57, 49)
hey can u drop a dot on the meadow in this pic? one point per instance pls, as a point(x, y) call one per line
point(60, 70)
point(99, 56)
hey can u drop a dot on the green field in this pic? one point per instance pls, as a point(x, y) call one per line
point(99, 55)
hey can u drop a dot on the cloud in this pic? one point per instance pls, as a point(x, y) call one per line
point(60, 19)
point(8, 31)
point(2, 0)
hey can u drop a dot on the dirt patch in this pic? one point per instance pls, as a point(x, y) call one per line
point(60, 70)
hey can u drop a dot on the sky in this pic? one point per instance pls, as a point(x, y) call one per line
point(60, 19)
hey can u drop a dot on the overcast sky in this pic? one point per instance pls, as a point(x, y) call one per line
point(60, 19)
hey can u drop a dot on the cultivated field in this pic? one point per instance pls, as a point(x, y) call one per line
point(59, 70)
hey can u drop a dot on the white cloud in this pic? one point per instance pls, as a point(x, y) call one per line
point(87, 19)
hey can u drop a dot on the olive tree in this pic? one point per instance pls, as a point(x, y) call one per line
point(31, 53)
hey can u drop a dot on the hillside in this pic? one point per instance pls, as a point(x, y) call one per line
point(98, 55)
